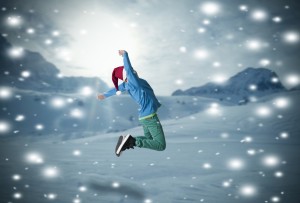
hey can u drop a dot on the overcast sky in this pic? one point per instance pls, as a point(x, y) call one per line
point(172, 44)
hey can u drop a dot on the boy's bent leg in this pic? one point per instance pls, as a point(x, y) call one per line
point(157, 139)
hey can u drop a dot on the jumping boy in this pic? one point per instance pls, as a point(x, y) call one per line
point(142, 93)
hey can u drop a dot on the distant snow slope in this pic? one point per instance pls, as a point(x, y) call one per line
point(222, 154)
point(240, 88)
point(59, 113)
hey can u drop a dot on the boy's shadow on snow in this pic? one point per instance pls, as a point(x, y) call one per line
point(124, 190)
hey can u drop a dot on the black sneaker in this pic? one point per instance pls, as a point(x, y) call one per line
point(124, 142)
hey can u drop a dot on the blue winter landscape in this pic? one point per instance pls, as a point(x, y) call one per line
point(227, 76)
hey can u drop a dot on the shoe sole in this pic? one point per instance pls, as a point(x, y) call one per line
point(124, 139)
point(118, 144)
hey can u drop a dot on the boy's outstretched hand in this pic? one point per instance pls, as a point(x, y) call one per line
point(121, 52)
point(100, 96)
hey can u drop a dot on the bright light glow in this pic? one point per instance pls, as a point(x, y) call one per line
point(206, 22)
point(252, 87)
point(50, 196)
point(86, 91)
point(63, 54)
point(216, 64)
point(292, 80)
point(17, 195)
point(179, 82)
point(76, 152)
point(224, 135)
point(291, 37)
point(263, 111)
point(4, 127)
point(148, 201)
point(34, 158)
point(271, 161)
point(210, 8)
point(77, 200)
point(264, 62)
point(275, 199)
point(278, 174)
point(226, 184)
point(85, 33)
point(16, 52)
point(201, 30)
point(274, 80)
point(214, 110)
point(248, 190)
point(248, 139)
point(48, 41)
point(236, 164)
point(254, 45)
point(39, 127)
point(281, 102)
point(16, 177)
point(219, 79)
point(206, 166)
point(58, 102)
point(25, 74)
point(277, 19)
point(5, 93)
point(82, 189)
point(284, 135)
point(201, 54)
point(14, 21)
point(243, 7)
point(115, 184)
point(251, 152)
point(76, 113)
point(55, 33)
point(30, 31)
point(50, 172)
point(182, 49)
point(259, 15)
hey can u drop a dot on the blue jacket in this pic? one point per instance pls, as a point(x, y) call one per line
point(139, 89)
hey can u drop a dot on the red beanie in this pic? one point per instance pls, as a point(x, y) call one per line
point(118, 73)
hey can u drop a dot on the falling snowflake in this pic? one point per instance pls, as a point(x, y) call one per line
point(248, 190)
point(16, 52)
point(210, 8)
point(259, 15)
point(206, 166)
point(34, 158)
point(30, 31)
point(14, 21)
point(4, 127)
point(25, 74)
point(271, 160)
point(17, 195)
point(236, 164)
point(50, 172)
point(115, 184)
point(291, 37)
point(201, 54)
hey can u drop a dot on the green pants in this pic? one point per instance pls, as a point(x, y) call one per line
point(154, 137)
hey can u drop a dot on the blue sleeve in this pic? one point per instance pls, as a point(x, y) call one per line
point(132, 76)
point(113, 91)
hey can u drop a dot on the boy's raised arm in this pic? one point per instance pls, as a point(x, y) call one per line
point(132, 76)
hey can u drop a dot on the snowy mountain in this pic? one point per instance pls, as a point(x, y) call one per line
point(242, 87)
point(25, 69)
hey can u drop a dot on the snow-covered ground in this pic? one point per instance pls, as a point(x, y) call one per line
point(214, 154)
